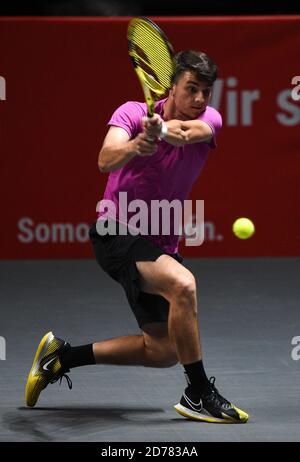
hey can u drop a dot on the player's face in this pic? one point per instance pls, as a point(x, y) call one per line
point(190, 96)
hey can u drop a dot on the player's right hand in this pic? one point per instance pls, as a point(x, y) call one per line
point(152, 125)
point(144, 145)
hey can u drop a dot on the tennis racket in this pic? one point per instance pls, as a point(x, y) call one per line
point(152, 57)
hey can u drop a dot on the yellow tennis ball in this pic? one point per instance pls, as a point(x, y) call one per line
point(243, 228)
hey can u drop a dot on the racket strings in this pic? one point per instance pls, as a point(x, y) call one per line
point(150, 51)
point(154, 58)
point(140, 54)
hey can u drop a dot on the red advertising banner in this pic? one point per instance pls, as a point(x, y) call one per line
point(60, 81)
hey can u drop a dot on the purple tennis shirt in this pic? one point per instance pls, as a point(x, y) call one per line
point(168, 174)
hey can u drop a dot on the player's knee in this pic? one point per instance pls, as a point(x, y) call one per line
point(184, 288)
point(161, 355)
point(166, 359)
point(168, 362)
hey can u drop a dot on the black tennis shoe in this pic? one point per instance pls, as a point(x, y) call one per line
point(209, 407)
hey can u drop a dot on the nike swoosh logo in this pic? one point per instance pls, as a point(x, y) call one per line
point(196, 406)
point(45, 366)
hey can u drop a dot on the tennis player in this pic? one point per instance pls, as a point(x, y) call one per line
point(158, 158)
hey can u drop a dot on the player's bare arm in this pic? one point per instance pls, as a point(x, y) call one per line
point(118, 148)
point(180, 132)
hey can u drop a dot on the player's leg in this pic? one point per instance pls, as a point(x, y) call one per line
point(54, 357)
point(200, 400)
point(159, 348)
point(173, 281)
point(150, 349)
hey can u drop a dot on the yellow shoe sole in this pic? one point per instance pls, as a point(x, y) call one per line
point(36, 382)
point(203, 418)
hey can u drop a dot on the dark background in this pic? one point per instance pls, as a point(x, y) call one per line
point(147, 7)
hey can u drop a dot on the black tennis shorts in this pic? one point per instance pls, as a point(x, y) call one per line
point(117, 256)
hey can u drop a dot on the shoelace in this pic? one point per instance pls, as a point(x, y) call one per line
point(215, 396)
point(212, 393)
point(60, 377)
point(62, 374)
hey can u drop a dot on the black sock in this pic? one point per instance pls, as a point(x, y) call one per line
point(77, 356)
point(197, 378)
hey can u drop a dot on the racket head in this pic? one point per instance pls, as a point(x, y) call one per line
point(153, 58)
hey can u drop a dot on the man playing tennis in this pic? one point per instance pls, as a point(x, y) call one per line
point(158, 158)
